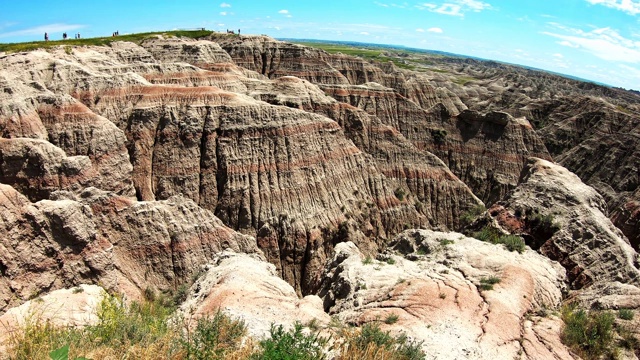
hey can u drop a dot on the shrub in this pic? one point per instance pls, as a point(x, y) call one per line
point(445, 242)
point(370, 342)
point(545, 223)
point(399, 193)
point(214, 337)
point(487, 234)
point(439, 135)
point(470, 215)
point(591, 335)
point(291, 345)
point(391, 319)
point(390, 261)
point(512, 243)
point(625, 314)
point(487, 283)
point(367, 261)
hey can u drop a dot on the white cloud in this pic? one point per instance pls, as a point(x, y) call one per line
point(436, 30)
point(381, 4)
point(455, 7)
point(364, 33)
point(223, 13)
point(419, 30)
point(568, 44)
point(604, 43)
point(225, 5)
point(629, 6)
point(283, 12)
point(40, 30)
point(558, 55)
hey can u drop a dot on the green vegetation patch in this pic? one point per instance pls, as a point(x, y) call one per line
point(100, 41)
point(511, 242)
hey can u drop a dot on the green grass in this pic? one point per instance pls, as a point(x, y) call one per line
point(625, 314)
point(391, 319)
point(365, 53)
point(590, 334)
point(470, 215)
point(463, 80)
point(99, 41)
point(291, 344)
point(487, 283)
point(511, 242)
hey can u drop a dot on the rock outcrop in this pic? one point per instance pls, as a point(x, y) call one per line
point(566, 220)
point(249, 289)
point(438, 296)
point(99, 237)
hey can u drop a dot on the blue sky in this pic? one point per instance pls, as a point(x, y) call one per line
point(592, 39)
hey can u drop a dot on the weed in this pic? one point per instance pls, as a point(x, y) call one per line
point(292, 344)
point(513, 243)
point(214, 337)
point(625, 314)
point(372, 343)
point(77, 290)
point(391, 319)
point(487, 283)
point(445, 242)
point(400, 194)
point(390, 261)
point(470, 215)
point(439, 135)
point(313, 324)
point(590, 334)
point(367, 261)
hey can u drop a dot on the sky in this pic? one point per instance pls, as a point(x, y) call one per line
point(597, 40)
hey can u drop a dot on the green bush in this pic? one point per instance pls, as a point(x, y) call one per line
point(591, 335)
point(291, 345)
point(398, 347)
point(391, 319)
point(513, 243)
point(487, 234)
point(625, 314)
point(470, 215)
point(487, 283)
point(214, 337)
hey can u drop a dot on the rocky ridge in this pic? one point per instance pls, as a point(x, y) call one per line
point(276, 170)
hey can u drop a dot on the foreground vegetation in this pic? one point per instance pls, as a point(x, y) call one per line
point(99, 41)
point(151, 330)
point(595, 334)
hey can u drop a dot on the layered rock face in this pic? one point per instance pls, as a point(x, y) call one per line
point(178, 117)
point(98, 236)
point(485, 152)
point(565, 219)
point(438, 297)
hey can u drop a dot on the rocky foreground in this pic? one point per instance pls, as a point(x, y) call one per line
point(281, 183)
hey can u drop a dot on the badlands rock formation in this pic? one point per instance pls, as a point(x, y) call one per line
point(274, 169)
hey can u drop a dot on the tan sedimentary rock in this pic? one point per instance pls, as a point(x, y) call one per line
point(95, 236)
point(602, 267)
point(250, 289)
point(438, 298)
point(73, 307)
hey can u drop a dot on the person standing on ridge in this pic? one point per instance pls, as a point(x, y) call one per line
point(46, 37)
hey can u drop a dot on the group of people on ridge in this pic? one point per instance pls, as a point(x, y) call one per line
point(64, 36)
